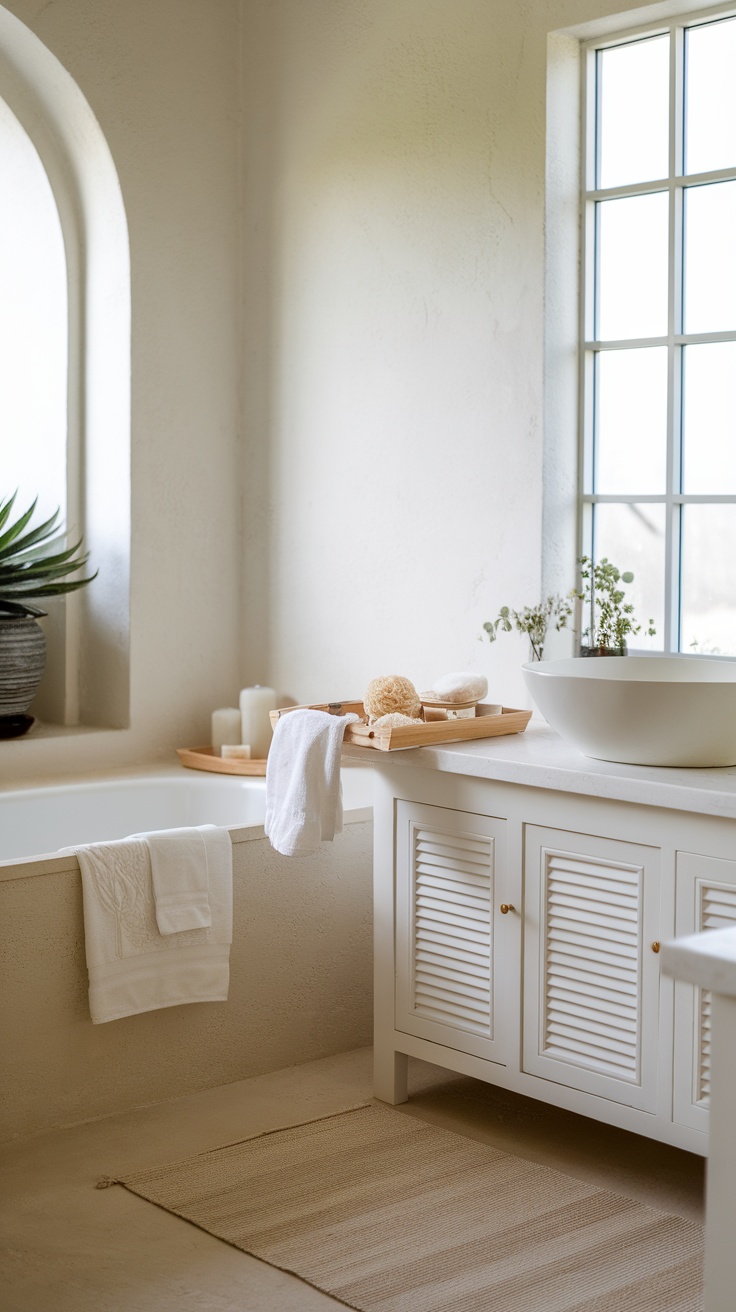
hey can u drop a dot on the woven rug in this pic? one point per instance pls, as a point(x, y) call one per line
point(389, 1214)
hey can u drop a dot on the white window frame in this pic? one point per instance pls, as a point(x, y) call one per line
point(87, 683)
point(673, 499)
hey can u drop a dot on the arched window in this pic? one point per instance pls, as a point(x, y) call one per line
point(65, 420)
point(34, 314)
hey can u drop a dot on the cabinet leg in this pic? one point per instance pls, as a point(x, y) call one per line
point(390, 1075)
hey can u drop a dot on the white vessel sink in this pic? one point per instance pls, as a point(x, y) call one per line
point(642, 710)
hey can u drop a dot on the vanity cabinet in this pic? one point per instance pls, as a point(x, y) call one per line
point(706, 899)
point(517, 940)
point(452, 959)
point(591, 977)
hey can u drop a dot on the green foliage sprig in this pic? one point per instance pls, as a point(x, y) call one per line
point(611, 616)
point(35, 563)
point(534, 621)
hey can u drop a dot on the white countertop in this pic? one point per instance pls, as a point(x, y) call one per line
point(707, 959)
point(540, 759)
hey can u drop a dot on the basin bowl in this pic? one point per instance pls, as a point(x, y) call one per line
point(641, 710)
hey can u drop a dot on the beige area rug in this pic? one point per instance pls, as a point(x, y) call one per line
point(389, 1214)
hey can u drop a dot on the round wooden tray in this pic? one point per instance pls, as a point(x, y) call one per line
point(204, 758)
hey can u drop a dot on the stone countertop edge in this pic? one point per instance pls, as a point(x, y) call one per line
point(707, 959)
point(539, 758)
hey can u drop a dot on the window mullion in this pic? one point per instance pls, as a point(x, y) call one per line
point(674, 353)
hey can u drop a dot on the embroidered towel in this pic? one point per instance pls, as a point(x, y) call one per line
point(303, 791)
point(132, 967)
point(180, 878)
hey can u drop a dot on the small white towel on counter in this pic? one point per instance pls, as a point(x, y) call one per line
point(132, 966)
point(303, 790)
point(180, 878)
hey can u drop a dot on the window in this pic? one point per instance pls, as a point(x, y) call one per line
point(658, 380)
point(33, 328)
point(65, 368)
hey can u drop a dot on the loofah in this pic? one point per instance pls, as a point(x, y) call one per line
point(462, 687)
point(394, 720)
point(391, 692)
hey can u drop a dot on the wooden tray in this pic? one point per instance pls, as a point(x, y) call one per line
point(203, 758)
point(486, 723)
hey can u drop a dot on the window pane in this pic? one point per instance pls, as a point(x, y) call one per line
point(710, 98)
point(710, 258)
point(631, 446)
point(708, 579)
point(709, 419)
point(633, 90)
point(33, 327)
point(632, 537)
point(632, 300)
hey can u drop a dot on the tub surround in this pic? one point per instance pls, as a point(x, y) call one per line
point(300, 985)
point(521, 893)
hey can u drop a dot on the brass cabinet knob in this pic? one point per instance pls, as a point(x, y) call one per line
point(506, 907)
point(655, 945)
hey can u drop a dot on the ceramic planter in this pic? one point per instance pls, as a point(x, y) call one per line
point(22, 663)
point(603, 651)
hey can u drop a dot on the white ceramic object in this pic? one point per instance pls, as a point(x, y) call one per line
point(642, 710)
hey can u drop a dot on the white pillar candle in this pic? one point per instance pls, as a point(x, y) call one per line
point(226, 725)
point(255, 704)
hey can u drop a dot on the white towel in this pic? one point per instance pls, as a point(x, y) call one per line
point(132, 967)
point(303, 790)
point(180, 877)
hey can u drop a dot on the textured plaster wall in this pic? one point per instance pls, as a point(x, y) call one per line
point(393, 316)
point(163, 82)
point(300, 988)
point(388, 157)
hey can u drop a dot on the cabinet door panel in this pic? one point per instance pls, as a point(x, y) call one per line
point(706, 899)
point(591, 982)
point(446, 957)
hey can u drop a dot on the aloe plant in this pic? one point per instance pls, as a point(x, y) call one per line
point(34, 562)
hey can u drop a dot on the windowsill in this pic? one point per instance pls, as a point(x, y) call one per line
point(40, 730)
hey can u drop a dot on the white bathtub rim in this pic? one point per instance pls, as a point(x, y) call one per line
point(51, 863)
point(42, 863)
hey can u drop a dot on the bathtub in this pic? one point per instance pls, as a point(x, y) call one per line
point(38, 821)
point(301, 979)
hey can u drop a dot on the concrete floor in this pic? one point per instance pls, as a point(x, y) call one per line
point(68, 1247)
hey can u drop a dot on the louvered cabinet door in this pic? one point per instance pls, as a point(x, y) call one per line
point(591, 978)
point(450, 950)
point(706, 899)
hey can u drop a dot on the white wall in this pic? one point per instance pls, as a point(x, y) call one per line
point(163, 81)
point(393, 314)
point(389, 376)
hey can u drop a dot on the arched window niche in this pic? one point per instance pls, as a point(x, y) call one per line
point(87, 677)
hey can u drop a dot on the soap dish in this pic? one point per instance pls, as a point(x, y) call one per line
point(437, 708)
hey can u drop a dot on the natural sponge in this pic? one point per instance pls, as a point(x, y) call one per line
point(392, 693)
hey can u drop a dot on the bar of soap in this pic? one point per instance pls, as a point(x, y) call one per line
point(236, 752)
point(460, 687)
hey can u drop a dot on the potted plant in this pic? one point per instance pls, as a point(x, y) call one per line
point(34, 563)
point(611, 616)
point(534, 621)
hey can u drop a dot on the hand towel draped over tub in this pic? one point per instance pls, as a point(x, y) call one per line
point(133, 967)
point(303, 789)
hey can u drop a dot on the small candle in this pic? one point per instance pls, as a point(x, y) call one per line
point(255, 704)
point(226, 724)
point(236, 751)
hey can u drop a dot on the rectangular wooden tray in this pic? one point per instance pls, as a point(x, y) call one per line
point(486, 723)
point(203, 758)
